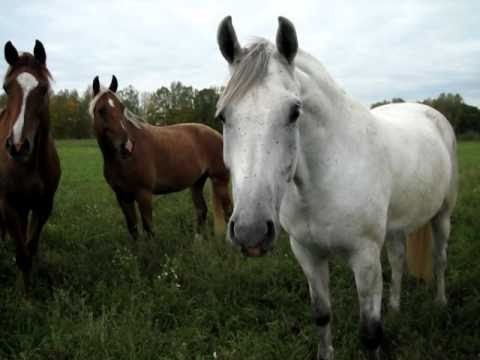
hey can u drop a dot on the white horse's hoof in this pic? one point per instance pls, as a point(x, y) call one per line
point(327, 355)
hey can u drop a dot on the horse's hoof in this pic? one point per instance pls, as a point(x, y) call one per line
point(325, 355)
point(441, 301)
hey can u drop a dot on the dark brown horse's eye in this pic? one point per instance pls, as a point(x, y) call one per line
point(5, 89)
point(221, 118)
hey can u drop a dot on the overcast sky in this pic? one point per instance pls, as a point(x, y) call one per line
point(374, 49)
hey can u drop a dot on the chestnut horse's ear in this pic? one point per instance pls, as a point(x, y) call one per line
point(11, 54)
point(39, 53)
point(227, 40)
point(287, 43)
point(114, 84)
point(96, 86)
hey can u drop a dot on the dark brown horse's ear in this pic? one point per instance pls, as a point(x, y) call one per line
point(39, 53)
point(114, 84)
point(287, 43)
point(227, 40)
point(96, 86)
point(11, 54)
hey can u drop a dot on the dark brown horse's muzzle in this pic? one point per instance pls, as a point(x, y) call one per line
point(18, 151)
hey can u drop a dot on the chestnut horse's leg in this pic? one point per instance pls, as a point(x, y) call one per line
point(127, 204)
point(16, 221)
point(221, 190)
point(144, 200)
point(200, 206)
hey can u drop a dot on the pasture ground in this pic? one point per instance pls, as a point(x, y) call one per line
point(175, 298)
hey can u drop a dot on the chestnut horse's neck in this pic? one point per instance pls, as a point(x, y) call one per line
point(108, 149)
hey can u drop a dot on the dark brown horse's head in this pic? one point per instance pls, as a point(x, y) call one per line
point(27, 86)
point(111, 120)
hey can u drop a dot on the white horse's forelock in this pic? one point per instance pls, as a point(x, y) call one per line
point(250, 70)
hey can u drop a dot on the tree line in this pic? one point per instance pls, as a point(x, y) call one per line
point(181, 103)
point(464, 118)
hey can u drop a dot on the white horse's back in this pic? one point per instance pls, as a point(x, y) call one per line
point(421, 147)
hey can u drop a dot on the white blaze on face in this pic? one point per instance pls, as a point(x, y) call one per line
point(27, 82)
point(111, 103)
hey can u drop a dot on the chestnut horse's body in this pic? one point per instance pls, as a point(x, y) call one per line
point(29, 164)
point(141, 160)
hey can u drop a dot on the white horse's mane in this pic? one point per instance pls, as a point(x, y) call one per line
point(132, 118)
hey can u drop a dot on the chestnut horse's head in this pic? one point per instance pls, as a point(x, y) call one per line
point(27, 86)
point(111, 120)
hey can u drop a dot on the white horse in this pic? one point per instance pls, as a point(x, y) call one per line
point(340, 179)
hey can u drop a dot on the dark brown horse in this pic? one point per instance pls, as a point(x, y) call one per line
point(141, 160)
point(29, 165)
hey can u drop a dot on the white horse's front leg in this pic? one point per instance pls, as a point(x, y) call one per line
point(316, 270)
point(396, 244)
point(367, 269)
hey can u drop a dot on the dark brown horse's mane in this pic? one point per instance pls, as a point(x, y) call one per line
point(28, 60)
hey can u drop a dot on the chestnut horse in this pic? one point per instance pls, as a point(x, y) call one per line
point(29, 164)
point(142, 160)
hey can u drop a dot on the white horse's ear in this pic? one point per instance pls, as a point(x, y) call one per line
point(227, 40)
point(287, 43)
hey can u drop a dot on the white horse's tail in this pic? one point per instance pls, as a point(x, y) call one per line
point(419, 253)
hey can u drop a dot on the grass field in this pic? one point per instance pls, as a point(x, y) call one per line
point(175, 298)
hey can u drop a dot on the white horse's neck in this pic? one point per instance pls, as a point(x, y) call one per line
point(332, 106)
point(334, 128)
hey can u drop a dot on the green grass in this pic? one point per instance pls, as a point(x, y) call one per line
point(175, 298)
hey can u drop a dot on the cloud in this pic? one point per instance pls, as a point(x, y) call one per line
point(374, 49)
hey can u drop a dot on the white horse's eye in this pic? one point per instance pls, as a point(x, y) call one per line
point(221, 118)
point(294, 113)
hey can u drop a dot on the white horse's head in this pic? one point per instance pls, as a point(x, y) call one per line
point(260, 108)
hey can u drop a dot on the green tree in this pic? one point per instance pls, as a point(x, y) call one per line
point(130, 98)
point(205, 106)
point(385, 102)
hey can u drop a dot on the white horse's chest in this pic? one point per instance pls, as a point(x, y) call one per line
point(329, 207)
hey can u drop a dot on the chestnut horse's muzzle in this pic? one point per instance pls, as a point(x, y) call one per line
point(127, 148)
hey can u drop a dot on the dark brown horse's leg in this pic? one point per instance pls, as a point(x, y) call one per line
point(127, 205)
point(16, 221)
point(200, 206)
point(144, 200)
point(2, 228)
point(39, 217)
